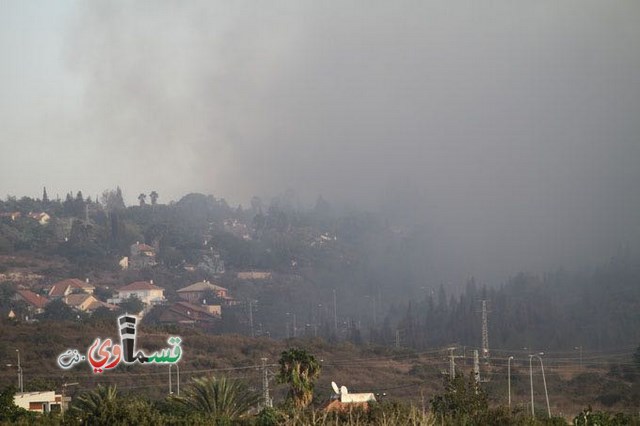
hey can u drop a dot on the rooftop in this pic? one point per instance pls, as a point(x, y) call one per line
point(202, 286)
point(140, 285)
point(33, 299)
point(60, 287)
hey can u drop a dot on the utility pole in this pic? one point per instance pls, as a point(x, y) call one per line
point(170, 391)
point(251, 317)
point(266, 399)
point(476, 368)
point(485, 330)
point(64, 388)
point(335, 311)
point(580, 349)
point(397, 339)
point(509, 379)
point(452, 363)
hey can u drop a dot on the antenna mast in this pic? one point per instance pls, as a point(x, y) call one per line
point(265, 384)
point(485, 330)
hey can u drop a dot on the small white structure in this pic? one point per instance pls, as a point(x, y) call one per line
point(39, 402)
point(124, 263)
point(254, 275)
point(345, 397)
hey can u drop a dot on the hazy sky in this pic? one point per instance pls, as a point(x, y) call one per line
point(510, 129)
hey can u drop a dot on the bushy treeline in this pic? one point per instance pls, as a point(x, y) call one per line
point(561, 310)
point(461, 403)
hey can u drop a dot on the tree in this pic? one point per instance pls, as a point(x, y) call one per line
point(59, 311)
point(142, 198)
point(462, 400)
point(97, 406)
point(45, 197)
point(132, 305)
point(103, 406)
point(154, 197)
point(219, 398)
point(299, 369)
point(9, 411)
point(113, 200)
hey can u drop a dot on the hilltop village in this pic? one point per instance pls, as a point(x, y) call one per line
point(196, 262)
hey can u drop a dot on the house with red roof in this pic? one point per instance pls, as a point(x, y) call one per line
point(11, 215)
point(187, 313)
point(42, 218)
point(86, 302)
point(34, 301)
point(197, 293)
point(72, 285)
point(142, 256)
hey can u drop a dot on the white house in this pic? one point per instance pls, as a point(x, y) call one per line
point(39, 402)
point(146, 291)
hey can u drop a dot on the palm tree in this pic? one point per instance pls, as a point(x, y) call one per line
point(218, 397)
point(143, 199)
point(154, 197)
point(299, 369)
point(97, 406)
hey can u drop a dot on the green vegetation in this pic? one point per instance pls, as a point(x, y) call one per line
point(220, 399)
point(222, 402)
point(299, 369)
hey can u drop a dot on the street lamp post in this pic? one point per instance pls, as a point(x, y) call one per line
point(533, 411)
point(20, 384)
point(544, 380)
point(509, 378)
point(178, 368)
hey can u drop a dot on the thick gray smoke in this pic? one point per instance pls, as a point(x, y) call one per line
point(509, 129)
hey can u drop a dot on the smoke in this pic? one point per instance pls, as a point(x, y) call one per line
point(509, 130)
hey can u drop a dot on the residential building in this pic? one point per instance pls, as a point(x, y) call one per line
point(39, 402)
point(142, 256)
point(11, 215)
point(41, 217)
point(34, 301)
point(188, 313)
point(197, 293)
point(146, 291)
point(254, 275)
point(73, 285)
point(237, 228)
point(86, 302)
